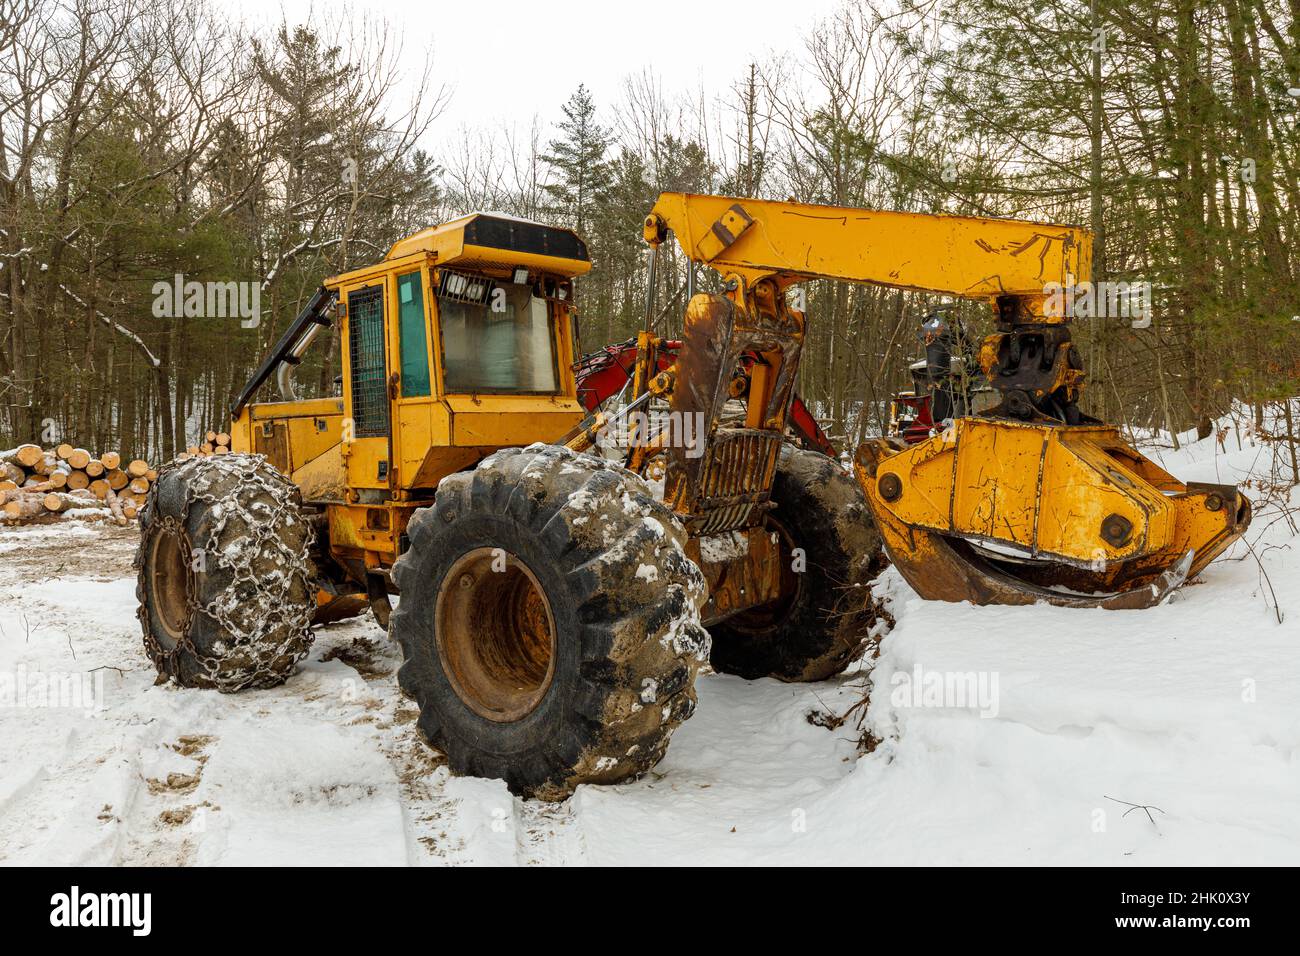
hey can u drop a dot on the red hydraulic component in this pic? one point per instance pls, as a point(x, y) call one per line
point(601, 375)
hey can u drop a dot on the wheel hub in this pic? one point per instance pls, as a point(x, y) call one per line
point(495, 634)
point(169, 583)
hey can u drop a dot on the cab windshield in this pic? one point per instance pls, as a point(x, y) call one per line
point(503, 345)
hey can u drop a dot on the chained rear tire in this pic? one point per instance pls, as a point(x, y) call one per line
point(827, 617)
point(549, 619)
point(223, 574)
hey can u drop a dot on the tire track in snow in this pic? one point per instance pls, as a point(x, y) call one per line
point(168, 820)
point(547, 834)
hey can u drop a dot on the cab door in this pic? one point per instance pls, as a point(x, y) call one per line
point(366, 432)
point(421, 424)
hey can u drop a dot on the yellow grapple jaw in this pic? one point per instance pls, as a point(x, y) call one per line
point(1003, 512)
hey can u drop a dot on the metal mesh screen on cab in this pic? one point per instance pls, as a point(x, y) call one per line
point(366, 335)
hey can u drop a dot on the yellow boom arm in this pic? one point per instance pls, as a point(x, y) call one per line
point(967, 256)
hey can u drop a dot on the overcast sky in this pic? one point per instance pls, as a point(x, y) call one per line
point(511, 59)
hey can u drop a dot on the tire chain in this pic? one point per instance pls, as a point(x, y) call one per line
point(277, 506)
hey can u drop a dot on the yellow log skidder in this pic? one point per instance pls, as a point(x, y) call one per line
point(564, 572)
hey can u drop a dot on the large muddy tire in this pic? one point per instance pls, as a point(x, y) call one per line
point(826, 616)
point(224, 574)
point(549, 619)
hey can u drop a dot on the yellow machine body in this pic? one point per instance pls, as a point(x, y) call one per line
point(1029, 500)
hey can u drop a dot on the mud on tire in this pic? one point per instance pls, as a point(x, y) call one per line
point(223, 574)
point(827, 618)
point(549, 619)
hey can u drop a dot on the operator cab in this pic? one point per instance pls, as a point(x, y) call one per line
point(482, 347)
point(459, 342)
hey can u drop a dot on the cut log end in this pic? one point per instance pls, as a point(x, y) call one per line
point(29, 455)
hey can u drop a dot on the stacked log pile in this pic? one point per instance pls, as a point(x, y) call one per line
point(214, 443)
point(37, 483)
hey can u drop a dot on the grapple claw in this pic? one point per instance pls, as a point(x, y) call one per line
point(1001, 512)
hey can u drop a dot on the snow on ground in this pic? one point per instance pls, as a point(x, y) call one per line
point(1191, 709)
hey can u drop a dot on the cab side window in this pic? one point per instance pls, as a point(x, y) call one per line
point(413, 335)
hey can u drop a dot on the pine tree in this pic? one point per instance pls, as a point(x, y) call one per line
point(578, 158)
